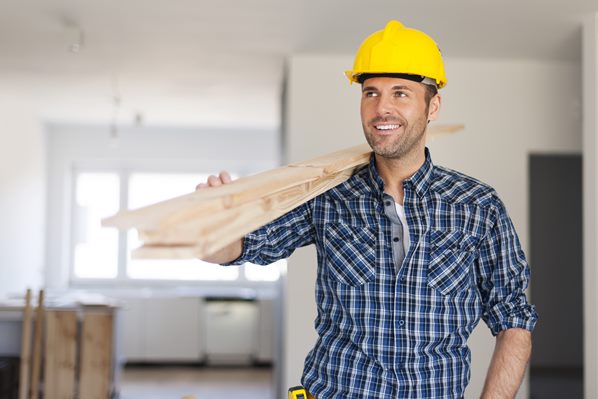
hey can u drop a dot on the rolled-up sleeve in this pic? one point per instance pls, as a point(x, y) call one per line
point(504, 275)
point(278, 239)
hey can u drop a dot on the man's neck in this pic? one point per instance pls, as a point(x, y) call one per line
point(394, 171)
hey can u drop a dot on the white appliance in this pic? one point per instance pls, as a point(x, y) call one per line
point(231, 331)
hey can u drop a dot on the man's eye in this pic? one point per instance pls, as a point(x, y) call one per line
point(400, 94)
point(370, 94)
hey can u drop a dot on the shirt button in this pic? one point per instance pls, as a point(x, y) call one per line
point(387, 203)
point(401, 323)
point(395, 239)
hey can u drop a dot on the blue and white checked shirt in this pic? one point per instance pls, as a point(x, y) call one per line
point(389, 330)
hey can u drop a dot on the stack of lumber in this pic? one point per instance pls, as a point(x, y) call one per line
point(197, 225)
point(201, 223)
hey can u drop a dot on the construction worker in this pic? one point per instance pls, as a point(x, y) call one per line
point(410, 255)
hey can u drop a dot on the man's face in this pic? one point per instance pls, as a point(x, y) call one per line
point(395, 114)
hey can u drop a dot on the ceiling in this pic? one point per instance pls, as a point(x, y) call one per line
point(220, 63)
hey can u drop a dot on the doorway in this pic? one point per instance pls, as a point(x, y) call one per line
point(555, 202)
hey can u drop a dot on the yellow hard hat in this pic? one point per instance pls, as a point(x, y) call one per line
point(399, 50)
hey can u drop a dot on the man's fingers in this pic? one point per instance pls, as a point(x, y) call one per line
point(214, 181)
point(225, 177)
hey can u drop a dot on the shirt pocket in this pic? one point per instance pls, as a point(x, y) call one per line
point(451, 254)
point(350, 253)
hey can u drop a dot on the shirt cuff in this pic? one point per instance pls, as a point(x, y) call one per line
point(507, 315)
point(251, 244)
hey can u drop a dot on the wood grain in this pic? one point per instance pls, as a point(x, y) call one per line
point(25, 365)
point(37, 347)
point(96, 355)
point(60, 354)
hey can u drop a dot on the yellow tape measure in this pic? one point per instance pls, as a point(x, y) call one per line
point(297, 392)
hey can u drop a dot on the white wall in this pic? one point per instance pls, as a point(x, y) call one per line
point(590, 200)
point(510, 108)
point(22, 197)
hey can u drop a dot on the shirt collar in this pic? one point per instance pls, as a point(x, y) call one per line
point(420, 181)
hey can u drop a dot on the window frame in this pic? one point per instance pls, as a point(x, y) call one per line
point(122, 280)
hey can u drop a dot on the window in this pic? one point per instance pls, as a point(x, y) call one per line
point(100, 253)
point(95, 248)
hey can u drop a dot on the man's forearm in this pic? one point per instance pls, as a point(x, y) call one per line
point(227, 254)
point(509, 361)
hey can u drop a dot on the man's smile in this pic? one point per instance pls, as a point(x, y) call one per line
point(387, 128)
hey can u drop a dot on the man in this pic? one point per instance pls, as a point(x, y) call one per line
point(410, 255)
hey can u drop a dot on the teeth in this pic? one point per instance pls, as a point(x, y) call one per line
point(387, 127)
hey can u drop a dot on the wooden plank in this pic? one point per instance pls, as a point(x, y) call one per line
point(60, 354)
point(165, 252)
point(239, 192)
point(208, 235)
point(338, 161)
point(199, 203)
point(96, 355)
point(269, 207)
point(37, 347)
point(201, 223)
point(435, 131)
point(25, 364)
point(244, 205)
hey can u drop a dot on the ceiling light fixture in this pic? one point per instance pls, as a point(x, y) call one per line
point(116, 102)
point(74, 38)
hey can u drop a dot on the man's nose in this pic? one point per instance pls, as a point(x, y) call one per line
point(384, 106)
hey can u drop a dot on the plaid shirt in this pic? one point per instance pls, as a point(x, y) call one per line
point(389, 330)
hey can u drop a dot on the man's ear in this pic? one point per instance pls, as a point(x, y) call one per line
point(434, 107)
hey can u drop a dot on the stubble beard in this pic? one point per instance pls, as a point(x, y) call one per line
point(400, 145)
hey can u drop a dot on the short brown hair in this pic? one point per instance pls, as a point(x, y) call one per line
point(431, 91)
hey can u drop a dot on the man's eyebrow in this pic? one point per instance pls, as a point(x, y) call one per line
point(398, 87)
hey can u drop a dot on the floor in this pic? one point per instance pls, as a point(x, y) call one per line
point(197, 382)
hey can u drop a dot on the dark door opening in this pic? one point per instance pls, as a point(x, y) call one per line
point(555, 201)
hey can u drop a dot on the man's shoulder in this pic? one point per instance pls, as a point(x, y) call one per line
point(458, 187)
point(354, 186)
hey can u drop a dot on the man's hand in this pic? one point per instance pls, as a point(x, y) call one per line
point(214, 181)
point(231, 251)
point(511, 355)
